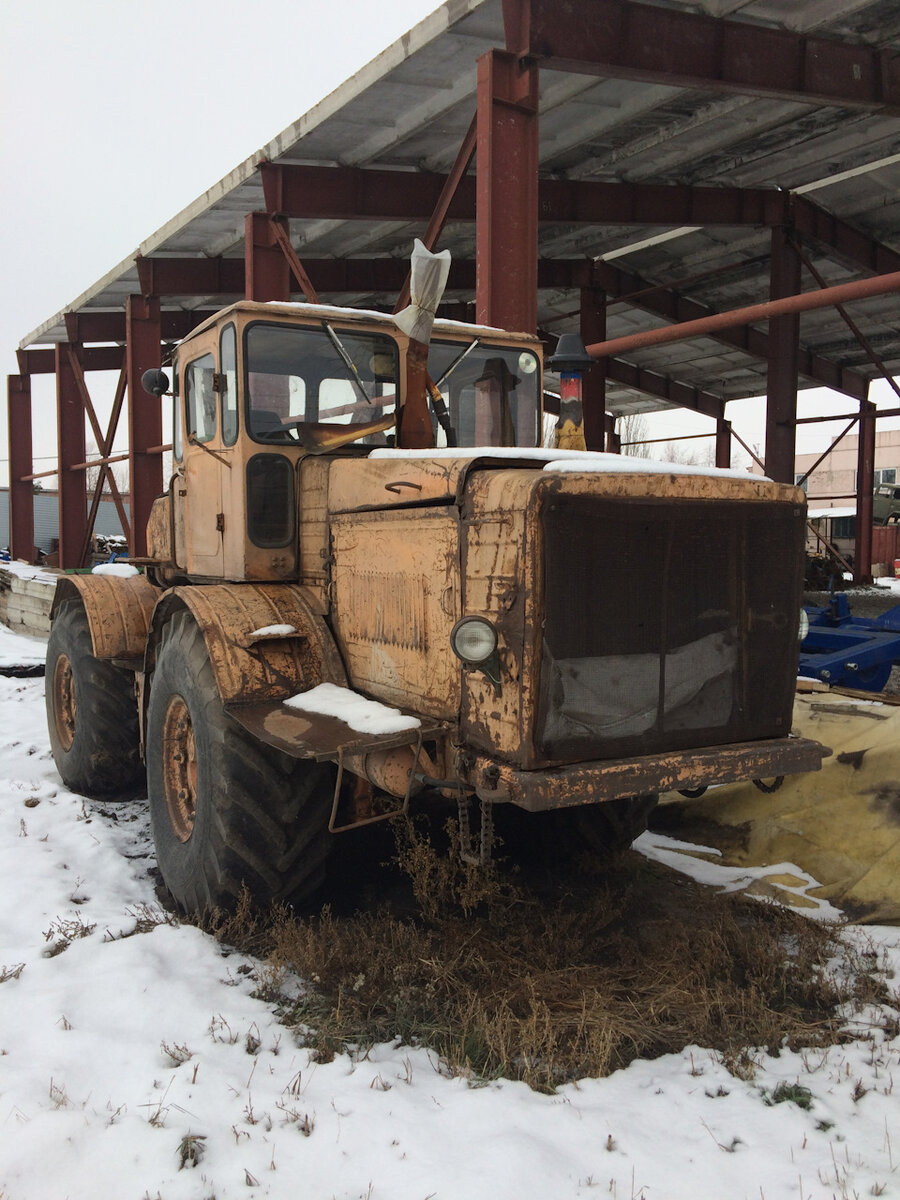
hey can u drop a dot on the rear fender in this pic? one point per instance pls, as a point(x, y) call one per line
point(118, 611)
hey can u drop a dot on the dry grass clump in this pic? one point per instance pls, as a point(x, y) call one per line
point(556, 981)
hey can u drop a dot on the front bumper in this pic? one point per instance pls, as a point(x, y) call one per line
point(594, 782)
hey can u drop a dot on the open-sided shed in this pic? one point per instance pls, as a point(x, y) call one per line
point(608, 166)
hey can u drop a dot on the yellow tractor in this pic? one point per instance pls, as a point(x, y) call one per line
point(361, 512)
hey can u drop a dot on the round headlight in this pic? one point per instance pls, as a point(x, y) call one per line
point(804, 625)
point(473, 639)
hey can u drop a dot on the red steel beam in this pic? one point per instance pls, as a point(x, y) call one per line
point(364, 193)
point(723, 443)
point(506, 222)
point(142, 351)
point(865, 485)
point(71, 442)
point(673, 306)
point(268, 275)
point(628, 40)
point(93, 358)
point(812, 221)
point(784, 347)
point(190, 276)
point(592, 324)
point(281, 233)
point(673, 391)
point(175, 324)
point(463, 160)
point(842, 293)
point(21, 493)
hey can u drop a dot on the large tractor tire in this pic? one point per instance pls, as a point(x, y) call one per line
point(564, 836)
point(605, 830)
point(226, 811)
point(91, 711)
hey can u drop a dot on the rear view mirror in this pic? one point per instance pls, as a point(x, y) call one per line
point(155, 382)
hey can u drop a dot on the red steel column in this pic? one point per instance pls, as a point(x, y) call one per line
point(21, 495)
point(506, 220)
point(784, 360)
point(142, 351)
point(71, 449)
point(865, 485)
point(267, 275)
point(593, 329)
point(723, 441)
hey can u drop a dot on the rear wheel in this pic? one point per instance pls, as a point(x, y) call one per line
point(226, 810)
point(91, 711)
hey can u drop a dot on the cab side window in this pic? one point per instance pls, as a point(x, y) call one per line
point(200, 399)
point(228, 385)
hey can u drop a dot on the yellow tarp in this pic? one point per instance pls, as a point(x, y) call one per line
point(840, 824)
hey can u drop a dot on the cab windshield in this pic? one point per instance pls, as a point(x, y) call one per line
point(490, 393)
point(317, 386)
point(325, 386)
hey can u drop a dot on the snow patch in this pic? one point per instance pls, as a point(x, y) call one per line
point(273, 631)
point(124, 570)
point(571, 460)
point(365, 716)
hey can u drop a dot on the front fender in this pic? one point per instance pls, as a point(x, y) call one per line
point(248, 667)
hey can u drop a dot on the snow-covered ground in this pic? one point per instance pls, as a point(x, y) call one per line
point(136, 1065)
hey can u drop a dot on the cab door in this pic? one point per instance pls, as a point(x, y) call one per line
point(203, 467)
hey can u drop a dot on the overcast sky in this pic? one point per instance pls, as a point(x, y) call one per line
point(116, 114)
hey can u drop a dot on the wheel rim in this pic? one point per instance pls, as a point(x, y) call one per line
point(179, 756)
point(64, 707)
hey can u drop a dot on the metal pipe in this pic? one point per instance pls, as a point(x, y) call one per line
point(859, 289)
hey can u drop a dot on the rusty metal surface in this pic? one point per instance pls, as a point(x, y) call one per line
point(315, 536)
point(179, 772)
point(159, 531)
point(503, 578)
point(355, 484)
point(313, 735)
point(586, 783)
point(118, 611)
point(64, 707)
point(500, 583)
point(227, 615)
point(395, 601)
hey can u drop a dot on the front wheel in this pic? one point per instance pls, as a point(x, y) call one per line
point(92, 715)
point(226, 810)
point(607, 829)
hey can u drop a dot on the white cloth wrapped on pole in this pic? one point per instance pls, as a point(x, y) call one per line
point(428, 278)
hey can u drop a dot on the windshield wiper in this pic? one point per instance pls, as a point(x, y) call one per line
point(459, 358)
point(348, 362)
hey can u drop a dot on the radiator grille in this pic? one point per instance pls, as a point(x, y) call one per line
point(667, 625)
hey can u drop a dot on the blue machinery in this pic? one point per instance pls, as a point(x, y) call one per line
point(855, 652)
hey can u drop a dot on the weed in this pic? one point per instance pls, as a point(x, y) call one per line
point(221, 1031)
point(176, 1054)
point(146, 918)
point(191, 1149)
point(548, 982)
point(795, 1093)
point(11, 972)
point(63, 932)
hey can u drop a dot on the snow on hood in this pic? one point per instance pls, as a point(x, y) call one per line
point(585, 461)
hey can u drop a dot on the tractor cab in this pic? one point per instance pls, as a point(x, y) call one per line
point(261, 388)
